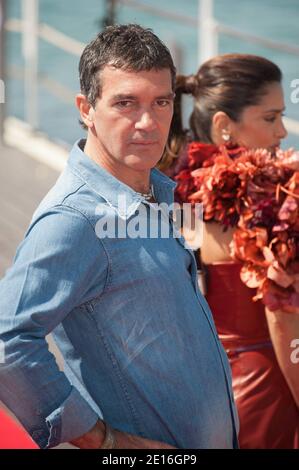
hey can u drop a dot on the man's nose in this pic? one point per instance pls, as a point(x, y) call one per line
point(146, 121)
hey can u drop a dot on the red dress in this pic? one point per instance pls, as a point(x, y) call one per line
point(12, 435)
point(269, 417)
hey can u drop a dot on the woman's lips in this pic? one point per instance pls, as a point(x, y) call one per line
point(273, 148)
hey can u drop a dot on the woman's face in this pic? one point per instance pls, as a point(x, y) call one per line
point(261, 126)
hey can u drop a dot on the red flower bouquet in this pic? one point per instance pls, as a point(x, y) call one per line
point(257, 193)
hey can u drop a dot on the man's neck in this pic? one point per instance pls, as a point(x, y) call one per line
point(139, 181)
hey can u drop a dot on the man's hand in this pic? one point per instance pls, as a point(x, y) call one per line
point(130, 441)
point(95, 437)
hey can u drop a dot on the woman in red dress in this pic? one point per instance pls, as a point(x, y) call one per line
point(238, 100)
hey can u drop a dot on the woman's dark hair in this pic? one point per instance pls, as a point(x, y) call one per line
point(227, 83)
point(127, 47)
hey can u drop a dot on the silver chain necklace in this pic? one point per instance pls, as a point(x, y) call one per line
point(147, 196)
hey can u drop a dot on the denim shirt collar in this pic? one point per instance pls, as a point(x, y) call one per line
point(109, 187)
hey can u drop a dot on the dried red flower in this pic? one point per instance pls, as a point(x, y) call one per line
point(258, 193)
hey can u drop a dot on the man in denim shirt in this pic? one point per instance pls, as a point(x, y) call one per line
point(143, 364)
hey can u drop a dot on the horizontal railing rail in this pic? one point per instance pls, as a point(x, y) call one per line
point(49, 34)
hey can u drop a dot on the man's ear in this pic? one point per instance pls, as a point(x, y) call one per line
point(85, 109)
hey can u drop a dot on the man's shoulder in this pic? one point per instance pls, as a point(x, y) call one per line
point(69, 194)
point(63, 224)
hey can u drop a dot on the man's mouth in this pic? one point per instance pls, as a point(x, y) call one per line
point(144, 142)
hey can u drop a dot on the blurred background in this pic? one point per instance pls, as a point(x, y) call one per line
point(44, 39)
point(40, 45)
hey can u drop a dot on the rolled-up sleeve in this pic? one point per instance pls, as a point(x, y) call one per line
point(60, 265)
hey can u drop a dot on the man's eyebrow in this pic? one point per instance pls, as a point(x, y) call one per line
point(122, 97)
point(168, 96)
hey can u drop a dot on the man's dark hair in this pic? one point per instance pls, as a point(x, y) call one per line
point(128, 47)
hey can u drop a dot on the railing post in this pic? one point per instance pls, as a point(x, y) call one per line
point(30, 53)
point(176, 53)
point(207, 32)
point(110, 16)
point(2, 69)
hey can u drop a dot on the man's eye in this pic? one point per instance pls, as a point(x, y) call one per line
point(163, 103)
point(124, 104)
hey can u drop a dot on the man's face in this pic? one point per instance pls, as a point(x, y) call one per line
point(132, 117)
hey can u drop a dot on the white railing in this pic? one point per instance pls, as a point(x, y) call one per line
point(209, 28)
point(30, 28)
point(2, 71)
point(30, 53)
point(50, 35)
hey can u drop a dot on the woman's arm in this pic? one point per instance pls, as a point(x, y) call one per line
point(284, 331)
point(210, 238)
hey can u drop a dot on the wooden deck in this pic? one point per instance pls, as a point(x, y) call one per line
point(23, 184)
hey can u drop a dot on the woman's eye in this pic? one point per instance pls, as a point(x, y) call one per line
point(273, 118)
point(270, 119)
